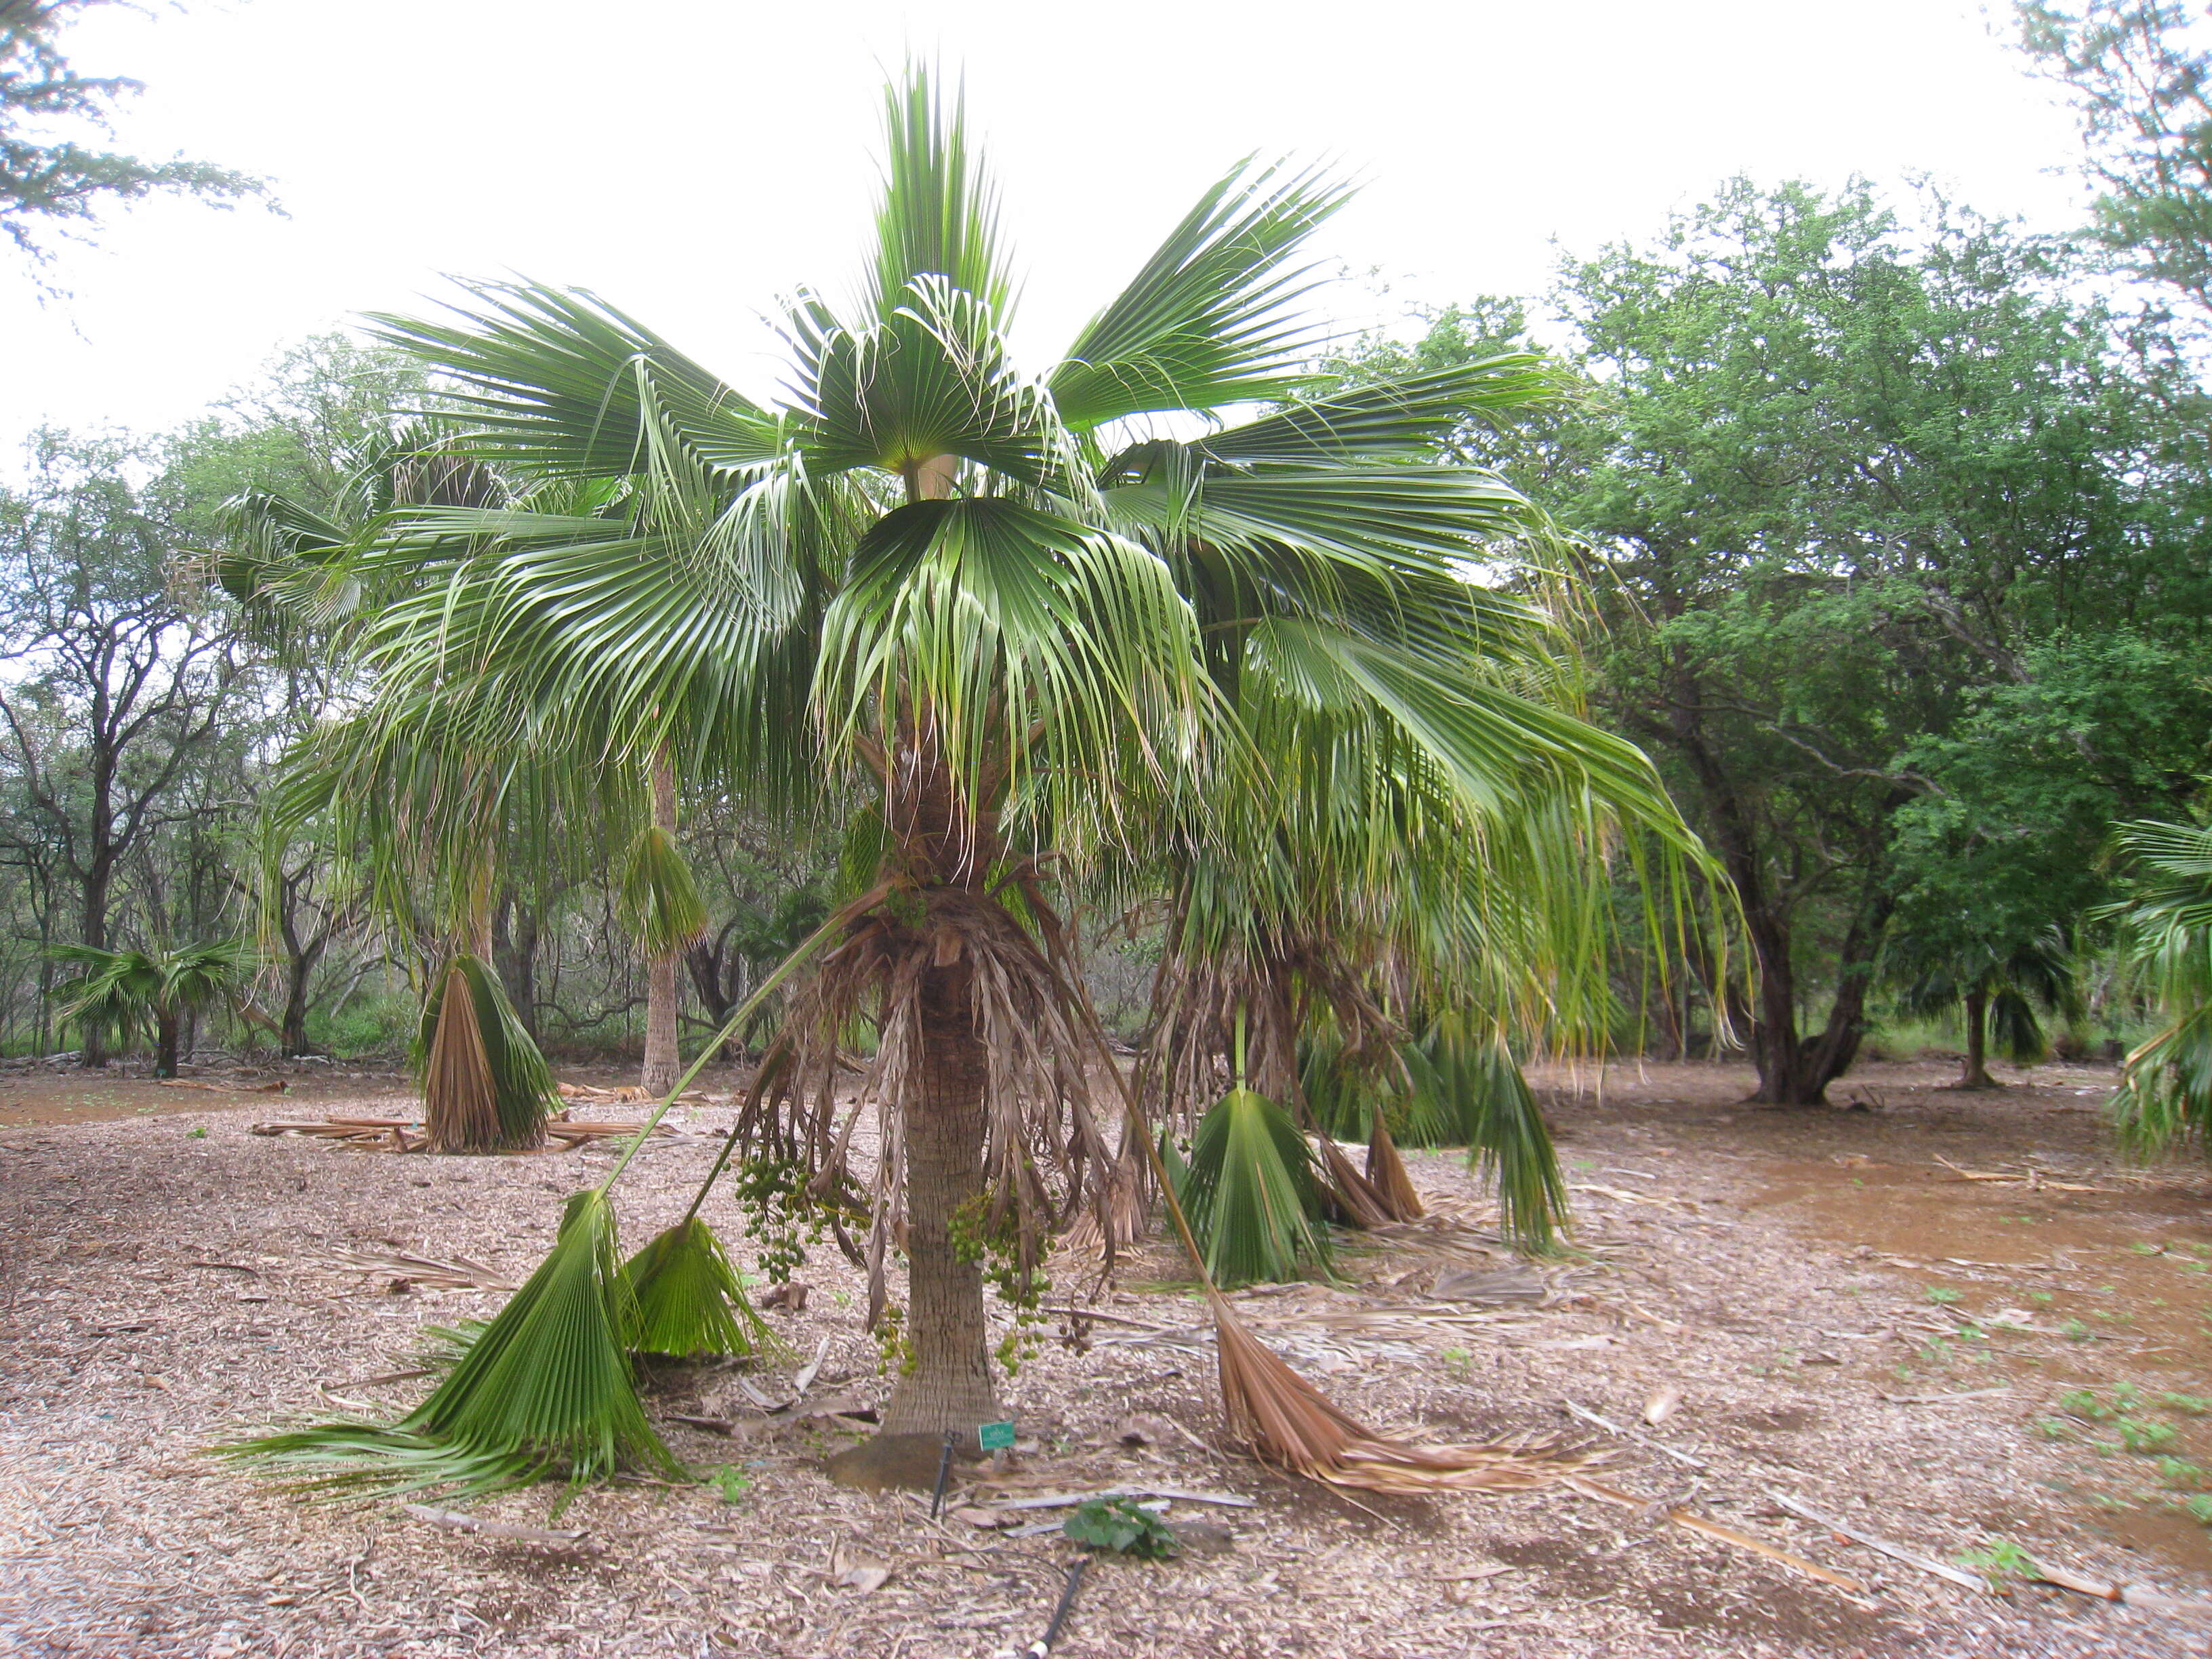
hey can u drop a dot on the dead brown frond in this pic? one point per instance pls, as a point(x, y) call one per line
point(1347, 1195)
point(460, 1099)
point(1287, 1421)
point(1386, 1171)
point(1042, 1135)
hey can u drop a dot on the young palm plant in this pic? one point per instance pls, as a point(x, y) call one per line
point(122, 993)
point(960, 597)
point(2165, 1095)
point(1998, 991)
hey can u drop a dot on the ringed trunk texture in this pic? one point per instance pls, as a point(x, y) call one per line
point(663, 1066)
point(949, 1387)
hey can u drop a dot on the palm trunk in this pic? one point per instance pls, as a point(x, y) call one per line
point(166, 1025)
point(949, 1389)
point(662, 1064)
point(1975, 1074)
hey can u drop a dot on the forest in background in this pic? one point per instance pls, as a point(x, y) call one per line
point(1893, 519)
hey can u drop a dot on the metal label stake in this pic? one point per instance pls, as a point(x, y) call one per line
point(943, 1472)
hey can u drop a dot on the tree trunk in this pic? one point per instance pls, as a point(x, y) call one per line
point(662, 1064)
point(93, 931)
point(949, 1389)
point(1975, 1073)
point(515, 953)
point(165, 1043)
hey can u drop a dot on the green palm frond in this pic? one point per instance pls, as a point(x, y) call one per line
point(939, 215)
point(1409, 417)
point(546, 1388)
point(555, 384)
point(2165, 1096)
point(1506, 1136)
point(1212, 319)
point(1250, 1193)
point(690, 1301)
point(655, 897)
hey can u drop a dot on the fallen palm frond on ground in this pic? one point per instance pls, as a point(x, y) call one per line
point(1288, 1422)
point(403, 1134)
point(545, 1386)
point(432, 1273)
point(549, 1386)
point(1285, 1421)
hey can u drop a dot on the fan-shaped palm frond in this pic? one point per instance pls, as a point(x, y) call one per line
point(544, 1389)
point(1251, 1194)
point(689, 1299)
point(2165, 1096)
point(656, 899)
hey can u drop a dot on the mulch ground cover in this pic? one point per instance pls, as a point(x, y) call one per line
point(1949, 1322)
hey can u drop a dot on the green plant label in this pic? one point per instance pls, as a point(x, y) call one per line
point(996, 1437)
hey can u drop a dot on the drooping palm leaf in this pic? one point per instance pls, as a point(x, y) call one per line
point(545, 1388)
point(1506, 1135)
point(485, 1085)
point(1250, 1193)
point(2165, 1096)
point(689, 1299)
point(655, 898)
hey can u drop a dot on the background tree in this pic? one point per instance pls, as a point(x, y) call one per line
point(49, 182)
point(2139, 74)
point(122, 679)
point(1856, 486)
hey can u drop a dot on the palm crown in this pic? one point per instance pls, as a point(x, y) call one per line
point(1031, 623)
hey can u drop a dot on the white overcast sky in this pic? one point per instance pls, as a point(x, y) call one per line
point(691, 159)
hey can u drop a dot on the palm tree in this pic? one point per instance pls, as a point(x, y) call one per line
point(122, 992)
point(660, 905)
point(2166, 1091)
point(1998, 990)
point(962, 599)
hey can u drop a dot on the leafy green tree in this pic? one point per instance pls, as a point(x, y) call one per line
point(48, 181)
point(2139, 74)
point(121, 993)
point(1843, 478)
point(120, 683)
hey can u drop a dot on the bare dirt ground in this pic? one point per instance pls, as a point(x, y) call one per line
point(1950, 1363)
